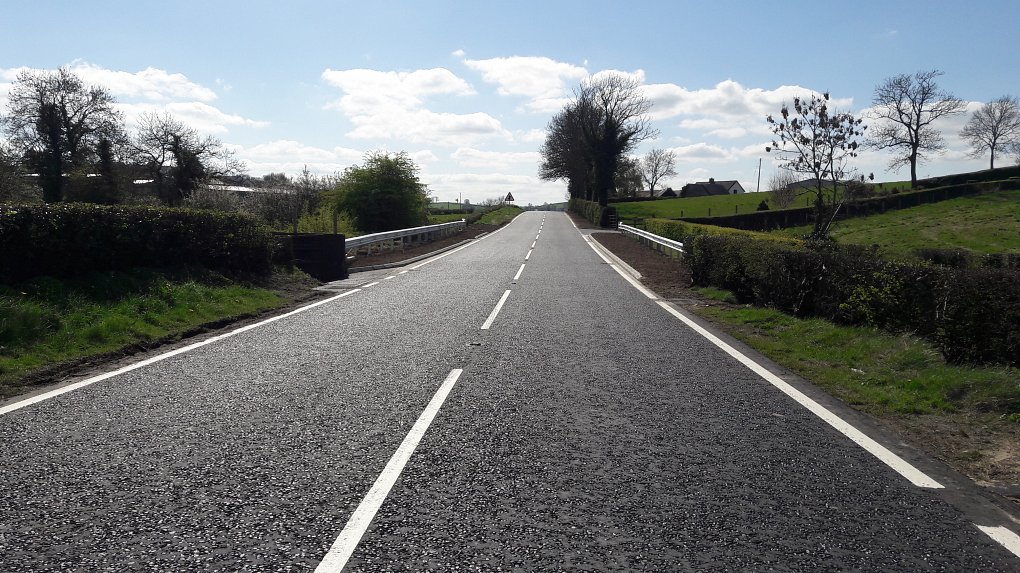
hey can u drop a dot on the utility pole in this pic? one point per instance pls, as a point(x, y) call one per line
point(758, 188)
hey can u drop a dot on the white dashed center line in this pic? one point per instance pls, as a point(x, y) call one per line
point(492, 315)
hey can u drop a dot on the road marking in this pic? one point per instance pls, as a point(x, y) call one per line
point(519, 271)
point(535, 242)
point(1005, 537)
point(641, 288)
point(54, 393)
point(370, 285)
point(404, 272)
point(914, 475)
point(447, 253)
point(495, 311)
point(528, 256)
point(345, 544)
point(390, 277)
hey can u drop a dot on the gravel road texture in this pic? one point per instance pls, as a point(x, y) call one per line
point(590, 430)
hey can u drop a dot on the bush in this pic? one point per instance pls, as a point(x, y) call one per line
point(65, 240)
point(973, 315)
point(601, 216)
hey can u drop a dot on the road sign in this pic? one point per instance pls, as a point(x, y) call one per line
point(509, 198)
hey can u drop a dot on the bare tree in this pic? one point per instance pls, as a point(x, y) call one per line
point(177, 158)
point(813, 141)
point(993, 127)
point(57, 122)
point(657, 165)
point(906, 106)
point(781, 185)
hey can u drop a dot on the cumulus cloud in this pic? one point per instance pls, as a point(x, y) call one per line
point(391, 105)
point(545, 82)
point(150, 84)
point(468, 157)
point(478, 187)
point(288, 156)
point(727, 99)
point(150, 91)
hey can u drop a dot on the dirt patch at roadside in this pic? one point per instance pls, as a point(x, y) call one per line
point(984, 447)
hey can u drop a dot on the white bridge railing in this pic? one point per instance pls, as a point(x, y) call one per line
point(398, 238)
point(651, 239)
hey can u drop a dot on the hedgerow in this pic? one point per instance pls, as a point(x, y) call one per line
point(592, 211)
point(972, 314)
point(65, 240)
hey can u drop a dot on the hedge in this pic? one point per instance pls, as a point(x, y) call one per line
point(66, 240)
point(601, 216)
point(973, 315)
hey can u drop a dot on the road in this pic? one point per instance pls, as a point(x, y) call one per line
point(586, 427)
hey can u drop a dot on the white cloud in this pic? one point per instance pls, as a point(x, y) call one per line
point(475, 158)
point(288, 156)
point(203, 117)
point(727, 99)
point(478, 187)
point(545, 82)
point(391, 105)
point(530, 136)
point(151, 83)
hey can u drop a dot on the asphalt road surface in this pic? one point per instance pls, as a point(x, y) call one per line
point(584, 428)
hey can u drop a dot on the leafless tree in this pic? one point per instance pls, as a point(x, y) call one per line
point(781, 185)
point(811, 140)
point(993, 127)
point(177, 158)
point(657, 165)
point(57, 122)
point(906, 106)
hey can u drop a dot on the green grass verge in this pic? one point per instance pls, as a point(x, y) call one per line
point(437, 219)
point(986, 223)
point(500, 216)
point(875, 371)
point(48, 321)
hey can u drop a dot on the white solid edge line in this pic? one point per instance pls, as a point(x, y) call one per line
point(492, 315)
point(1004, 537)
point(344, 545)
point(519, 271)
point(914, 475)
point(641, 288)
point(448, 253)
point(370, 285)
point(53, 393)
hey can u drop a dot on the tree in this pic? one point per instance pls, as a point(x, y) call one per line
point(905, 109)
point(177, 158)
point(657, 165)
point(12, 176)
point(993, 127)
point(781, 186)
point(57, 122)
point(811, 140)
point(586, 141)
point(383, 193)
point(628, 177)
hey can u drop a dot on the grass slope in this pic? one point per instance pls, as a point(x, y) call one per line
point(48, 321)
point(987, 223)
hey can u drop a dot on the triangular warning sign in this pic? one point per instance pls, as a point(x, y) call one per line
point(509, 197)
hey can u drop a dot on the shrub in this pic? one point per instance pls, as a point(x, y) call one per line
point(973, 315)
point(65, 240)
point(592, 211)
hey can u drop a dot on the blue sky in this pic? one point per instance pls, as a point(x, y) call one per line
point(467, 87)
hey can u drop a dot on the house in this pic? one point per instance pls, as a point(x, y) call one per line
point(711, 187)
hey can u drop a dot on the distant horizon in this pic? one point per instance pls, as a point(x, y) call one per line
point(467, 89)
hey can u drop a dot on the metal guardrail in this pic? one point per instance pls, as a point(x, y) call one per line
point(437, 231)
point(646, 236)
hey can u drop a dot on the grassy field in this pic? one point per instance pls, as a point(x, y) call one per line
point(878, 372)
point(698, 206)
point(987, 223)
point(48, 321)
point(500, 216)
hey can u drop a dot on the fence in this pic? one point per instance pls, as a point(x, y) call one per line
point(391, 240)
point(675, 248)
